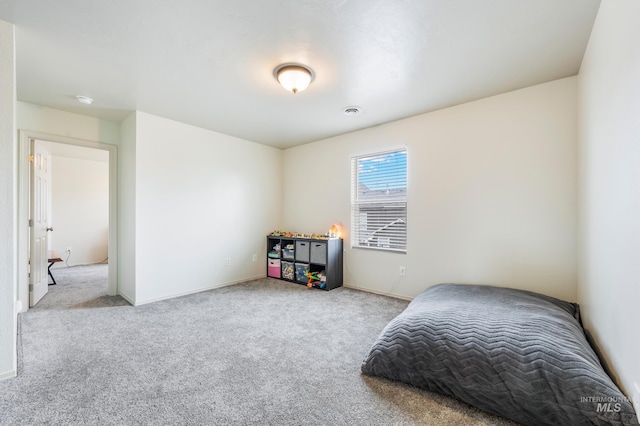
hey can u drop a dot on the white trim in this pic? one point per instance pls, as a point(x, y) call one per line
point(23, 207)
point(382, 293)
point(131, 302)
point(23, 223)
point(386, 150)
point(8, 375)
point(200, 290)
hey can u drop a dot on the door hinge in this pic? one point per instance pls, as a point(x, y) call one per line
point(30, 223)
point(31, 157)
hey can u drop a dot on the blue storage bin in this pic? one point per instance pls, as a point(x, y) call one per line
point(301, 272)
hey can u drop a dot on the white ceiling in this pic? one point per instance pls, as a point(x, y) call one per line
point(210, 63)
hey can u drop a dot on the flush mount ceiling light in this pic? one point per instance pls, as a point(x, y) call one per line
point(294, 77)
point(84, 100)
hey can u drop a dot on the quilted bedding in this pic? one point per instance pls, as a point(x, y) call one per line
point(517, 354)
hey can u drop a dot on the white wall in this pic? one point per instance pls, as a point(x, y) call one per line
point(609, 164)
point(492, 194)
point(201, 198)
point(55, 122)
point(127, 210)
point(8, 203)
point(188, 200)
point(80, 209)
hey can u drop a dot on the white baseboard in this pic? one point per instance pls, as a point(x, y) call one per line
point(382, 293)
point(127, 298)
point(199, 290)
point(8, 375)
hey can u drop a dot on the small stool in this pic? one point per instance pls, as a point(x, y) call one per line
point(53, 258)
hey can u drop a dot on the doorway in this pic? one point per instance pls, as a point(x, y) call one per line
point(70, 151)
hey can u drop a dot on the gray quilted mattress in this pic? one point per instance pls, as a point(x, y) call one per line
point(517, 354)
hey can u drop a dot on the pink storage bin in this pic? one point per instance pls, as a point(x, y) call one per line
point(273, 268)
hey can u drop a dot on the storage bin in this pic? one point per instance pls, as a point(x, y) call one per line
point(302, 251)
point(319, 252)
point(273, 268)
point(288, 271)
point(288, 252)
point(301, 272)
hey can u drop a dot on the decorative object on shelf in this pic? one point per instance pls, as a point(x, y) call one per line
point(335, 231)
point(294, 77)
point(278, 233)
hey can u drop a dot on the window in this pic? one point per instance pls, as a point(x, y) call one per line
point(379, 201)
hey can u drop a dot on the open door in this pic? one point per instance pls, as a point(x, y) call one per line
point(40, 221)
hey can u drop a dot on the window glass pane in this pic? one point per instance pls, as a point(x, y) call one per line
point(379, 207)
point(382, 176)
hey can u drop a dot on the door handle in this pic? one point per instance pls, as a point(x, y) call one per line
point(49, 229)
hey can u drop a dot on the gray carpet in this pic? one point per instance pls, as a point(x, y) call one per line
point(264, 352)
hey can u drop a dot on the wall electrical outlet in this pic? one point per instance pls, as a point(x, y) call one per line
point(403, 271)
point(254, 258)
point(69, 249)
point(228, 262)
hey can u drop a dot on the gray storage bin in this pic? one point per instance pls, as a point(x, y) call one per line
point(302, 251)
point(318, 252)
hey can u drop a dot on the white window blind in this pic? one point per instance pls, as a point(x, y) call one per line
point(379, 201)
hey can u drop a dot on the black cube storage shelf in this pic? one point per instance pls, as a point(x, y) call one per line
point(290, 258)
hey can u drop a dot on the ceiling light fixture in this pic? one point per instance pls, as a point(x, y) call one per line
point(84, 100)
point(294, 77)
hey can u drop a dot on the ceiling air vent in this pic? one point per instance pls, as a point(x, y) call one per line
point(351, 110)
